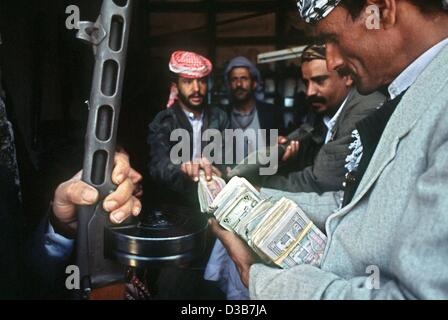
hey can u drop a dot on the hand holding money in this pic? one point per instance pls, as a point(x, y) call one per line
point(192, 169)
point(280, 233)
point(237, 249)
point(208, 190)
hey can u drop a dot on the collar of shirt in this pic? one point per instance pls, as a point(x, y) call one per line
point(330, 123)
point(243, 114)
point(191, 117)
point(410, 74)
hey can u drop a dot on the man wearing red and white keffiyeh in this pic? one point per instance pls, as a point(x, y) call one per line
point(187, 109)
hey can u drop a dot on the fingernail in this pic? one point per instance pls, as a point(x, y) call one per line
point(119, 216)
point(110, 205)
point(196, 179)
point(89, 195)
point(209, 178)
point(137, 211)
point(120, 178)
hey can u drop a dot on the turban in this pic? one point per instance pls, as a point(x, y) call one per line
point(190, 65)
point(314, 52)
point(314, 10)
point(242, 62)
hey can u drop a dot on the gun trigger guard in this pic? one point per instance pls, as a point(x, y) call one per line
point(92, 33)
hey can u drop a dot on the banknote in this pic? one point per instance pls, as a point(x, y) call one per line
point(280, 232)
point(209, 190)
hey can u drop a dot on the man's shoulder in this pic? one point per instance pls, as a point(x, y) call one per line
point(164, 118)
point(369, 101)
point(218, 110)
point(218, 114)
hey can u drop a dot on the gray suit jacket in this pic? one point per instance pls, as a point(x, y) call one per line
point(397, 223)
point(328, 172)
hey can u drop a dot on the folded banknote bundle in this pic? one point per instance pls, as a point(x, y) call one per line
point(279, 232)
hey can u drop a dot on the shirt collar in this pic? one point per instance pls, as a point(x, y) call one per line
point(191, 117)
point(410, 74)
point(329, 123)
point(242, 114)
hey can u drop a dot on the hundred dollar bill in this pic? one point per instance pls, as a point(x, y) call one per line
point(250, 221)
point(239, 209)
point(235, 185)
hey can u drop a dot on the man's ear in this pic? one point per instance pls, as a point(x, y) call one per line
point(387, 10)
point(348, 81)
point(254, 84)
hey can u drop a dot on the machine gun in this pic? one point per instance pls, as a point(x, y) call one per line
point(109, 36)
point(170, 236)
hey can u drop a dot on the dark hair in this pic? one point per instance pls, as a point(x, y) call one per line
point(355, 7)
point(173, 77)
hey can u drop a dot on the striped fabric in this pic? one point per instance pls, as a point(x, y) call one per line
point(190, 65)
point(314, 10)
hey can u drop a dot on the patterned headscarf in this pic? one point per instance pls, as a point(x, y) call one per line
point(314, 10)
point(187, 65)
point(190, 65)
point(314, 52)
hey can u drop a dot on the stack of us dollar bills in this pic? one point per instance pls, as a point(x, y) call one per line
point(279, 232)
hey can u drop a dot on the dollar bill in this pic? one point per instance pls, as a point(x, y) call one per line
point(292, 240)
point(240, 208)
point(209, 190)
point(279, 232)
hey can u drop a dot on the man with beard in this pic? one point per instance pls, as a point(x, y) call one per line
point(248, 111)
point(187, 110)
point(176, 184)
point(339, 106)
point(387, 236)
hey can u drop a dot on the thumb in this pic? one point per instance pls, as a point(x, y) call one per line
point(70, 194)
point(216, 228)
point(282, 140)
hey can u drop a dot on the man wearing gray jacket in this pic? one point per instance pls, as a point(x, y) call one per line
point(387, 235)
point(332, 96)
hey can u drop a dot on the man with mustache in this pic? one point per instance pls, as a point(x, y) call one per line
point(387, 235)
point(188, 110)
point(339, 106)
point(248, 111)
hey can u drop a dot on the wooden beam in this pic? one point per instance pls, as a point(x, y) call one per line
point(203, 39)
point(227, 6)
